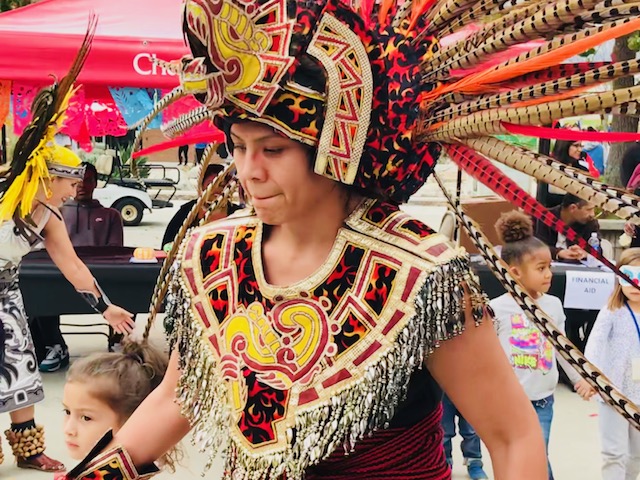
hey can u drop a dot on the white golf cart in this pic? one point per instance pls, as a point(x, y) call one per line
point(130, 200)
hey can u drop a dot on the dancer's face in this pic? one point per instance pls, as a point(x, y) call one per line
point(62, 189)
point(276, 173)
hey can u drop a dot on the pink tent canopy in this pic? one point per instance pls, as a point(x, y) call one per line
point(43, 38)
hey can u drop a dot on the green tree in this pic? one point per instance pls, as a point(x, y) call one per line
point(625, 49)
point(12, 4)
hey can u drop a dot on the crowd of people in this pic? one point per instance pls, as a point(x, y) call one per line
point(323, 333)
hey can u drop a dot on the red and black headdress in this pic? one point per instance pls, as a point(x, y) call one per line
point(317, 73)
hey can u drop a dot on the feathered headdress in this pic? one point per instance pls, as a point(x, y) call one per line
point(381, 89)
point(36, 156)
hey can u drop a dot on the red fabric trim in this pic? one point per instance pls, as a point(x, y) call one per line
point(414, 453)
point(566, 134)
point(213, 136)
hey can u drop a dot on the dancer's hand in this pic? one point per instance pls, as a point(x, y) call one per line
point(119, 319)
point(630, 229)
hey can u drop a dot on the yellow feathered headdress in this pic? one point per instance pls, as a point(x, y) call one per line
point(36, 156)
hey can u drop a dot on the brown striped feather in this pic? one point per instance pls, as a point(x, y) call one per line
point(531, 27)
point(542, 171)
point(435, 71)
point(539, 90)
point(488, 122)
point(579, 175)
point(184, 122)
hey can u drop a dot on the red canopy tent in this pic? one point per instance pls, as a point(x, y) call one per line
point(43, 38)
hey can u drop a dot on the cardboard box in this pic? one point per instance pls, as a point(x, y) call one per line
point(485, 211)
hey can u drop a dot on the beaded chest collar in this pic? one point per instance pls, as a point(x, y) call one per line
point(281, 377)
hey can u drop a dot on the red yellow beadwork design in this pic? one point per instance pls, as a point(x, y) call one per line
point(288, 350)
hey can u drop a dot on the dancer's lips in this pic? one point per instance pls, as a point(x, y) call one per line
point(263, 199)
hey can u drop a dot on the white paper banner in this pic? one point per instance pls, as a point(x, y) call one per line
point(588, 290)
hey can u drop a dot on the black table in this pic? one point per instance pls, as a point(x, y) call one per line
point(47, 293)
point(579, 322)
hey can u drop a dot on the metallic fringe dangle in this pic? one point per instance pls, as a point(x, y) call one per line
point(358, 411)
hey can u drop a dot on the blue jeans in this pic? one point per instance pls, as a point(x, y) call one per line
point(544, 409)
point(470, 440)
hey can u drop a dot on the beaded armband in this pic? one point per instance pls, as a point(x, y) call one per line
point(112, 464)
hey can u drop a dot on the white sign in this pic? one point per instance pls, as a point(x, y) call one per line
point(588, 290)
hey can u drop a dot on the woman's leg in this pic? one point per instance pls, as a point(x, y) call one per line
point(23, 415)
point(21, 385)
point(27, 442)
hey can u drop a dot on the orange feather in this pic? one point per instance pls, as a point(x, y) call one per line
point(482, 82)
point(385, 8)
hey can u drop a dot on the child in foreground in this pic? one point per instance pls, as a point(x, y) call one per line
point(531, 354)
point(103, 390)
point(614, 347)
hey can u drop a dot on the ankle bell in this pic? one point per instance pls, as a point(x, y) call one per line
point(26, 443)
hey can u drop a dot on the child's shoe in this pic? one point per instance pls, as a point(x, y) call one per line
point(474, 469)
point(57, 358)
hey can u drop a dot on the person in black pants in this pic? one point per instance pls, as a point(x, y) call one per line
point(183, 155)
point(200, 148)
point(88, 224)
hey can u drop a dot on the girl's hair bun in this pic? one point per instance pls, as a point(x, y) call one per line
point(514, 226)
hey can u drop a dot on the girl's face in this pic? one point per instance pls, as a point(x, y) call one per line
point(631, 293)
point(575, 150)
point(86, 419)
point(62, 189)
point(275, 173)
point(534, 271)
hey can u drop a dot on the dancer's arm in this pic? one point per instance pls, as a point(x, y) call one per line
point(475, 373)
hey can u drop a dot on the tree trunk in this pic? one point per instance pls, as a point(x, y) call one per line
point(12, 4)
point(620, 123)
